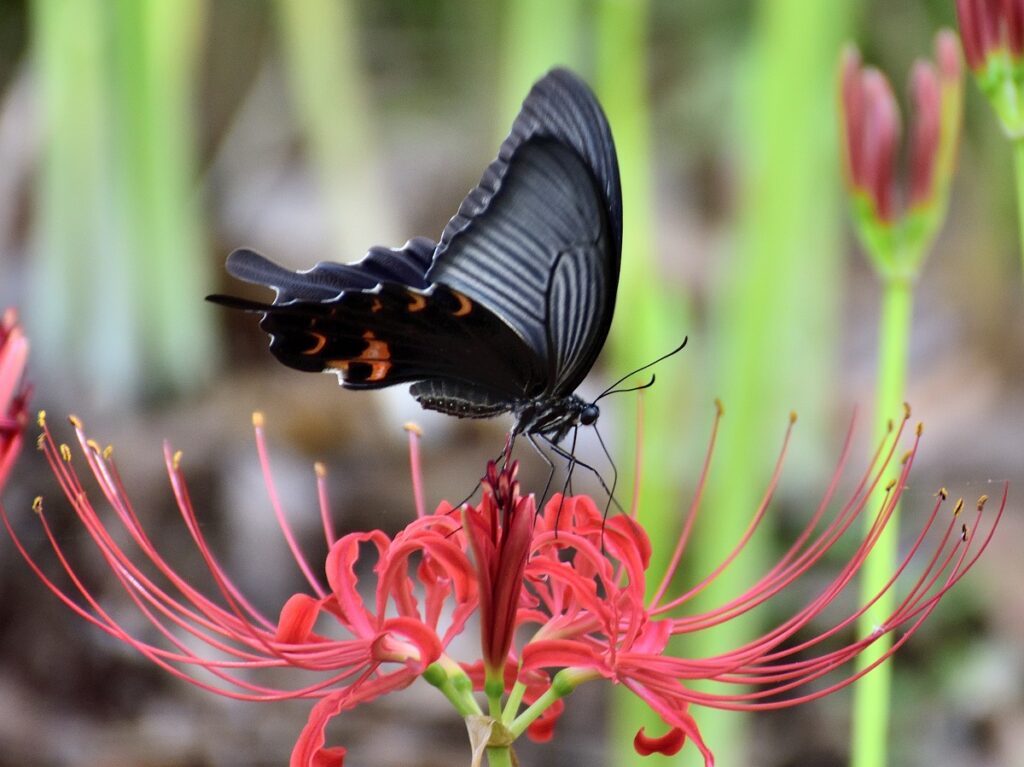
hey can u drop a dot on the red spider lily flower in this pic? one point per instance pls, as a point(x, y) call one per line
point(568, 583)
point(13, 393)
point(871, 136)
point(391, 637)
point(597, 623)
point(992, 32)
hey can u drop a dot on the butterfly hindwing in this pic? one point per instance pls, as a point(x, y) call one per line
point(393, 334)
point(327, 280)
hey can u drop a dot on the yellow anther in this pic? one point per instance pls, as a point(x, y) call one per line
point(41, 419)
point(41, 442)
point(943, 493)
point(37, 504)
point(906, 410)
point(413, 427)
point(320, 470)
point(108, 451)
point(889, 426)
point(959, 507)
point(94, 446)
point(792, 417)
point(982, 501)
point(257, 419)
point(719, 407)
point(65, 452)
point(920, 428)
point(890, 485)
point(75, 421)
point(176, 460)
point(906, 457)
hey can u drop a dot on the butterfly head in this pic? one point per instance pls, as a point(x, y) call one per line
point(589, 415)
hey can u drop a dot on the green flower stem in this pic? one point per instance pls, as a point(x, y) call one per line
point(565, 681)
point(515, 698)
point(1018, 168)
point(872, 694)
point(494, 688)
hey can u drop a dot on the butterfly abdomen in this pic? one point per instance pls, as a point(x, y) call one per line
point(460, 399)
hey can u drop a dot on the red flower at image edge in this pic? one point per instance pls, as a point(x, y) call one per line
point(13, 393)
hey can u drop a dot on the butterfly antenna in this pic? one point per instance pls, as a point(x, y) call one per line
point(641, 387)
point(611, 389)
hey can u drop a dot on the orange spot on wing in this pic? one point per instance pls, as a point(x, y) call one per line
point(375, 349)
point(465, 305)
point(321, 342)
point(378, 370)
point(377, 305)
point(418, 303)
point(377, 356)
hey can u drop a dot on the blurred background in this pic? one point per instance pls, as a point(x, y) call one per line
point(140, 142)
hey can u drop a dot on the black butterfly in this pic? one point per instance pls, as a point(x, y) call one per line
point(507, 313)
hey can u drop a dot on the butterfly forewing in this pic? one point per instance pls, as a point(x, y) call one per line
point(551, 196)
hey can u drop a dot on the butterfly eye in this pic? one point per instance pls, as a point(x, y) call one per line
point(589, 414)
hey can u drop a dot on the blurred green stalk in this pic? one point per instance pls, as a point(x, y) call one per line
point(1018, 168)
point(155, 48)
point(69, 287)
point(538, 35)
point(650, 320)
point(120, 267)
point(320, 41)
point(776, 319)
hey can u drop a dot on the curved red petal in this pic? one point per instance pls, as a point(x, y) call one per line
point(423, 637)
point(298, 616)
point(667, 744)
point(330, 757)
point(561, 653)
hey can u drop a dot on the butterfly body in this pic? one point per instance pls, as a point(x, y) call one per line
point(507, 312)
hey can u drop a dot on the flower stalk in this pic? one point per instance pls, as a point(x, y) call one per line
point(896, 240)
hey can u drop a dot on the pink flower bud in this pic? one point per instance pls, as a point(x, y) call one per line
point(872, 127)
point(988, 26)
point(927, 131)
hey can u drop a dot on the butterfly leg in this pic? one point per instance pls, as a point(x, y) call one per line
point(573, 460)
point(551, 468)
point(615, 472)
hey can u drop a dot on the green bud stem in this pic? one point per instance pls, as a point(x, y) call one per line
point(565, 681)
point(1018, 171)
point(872, 693)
